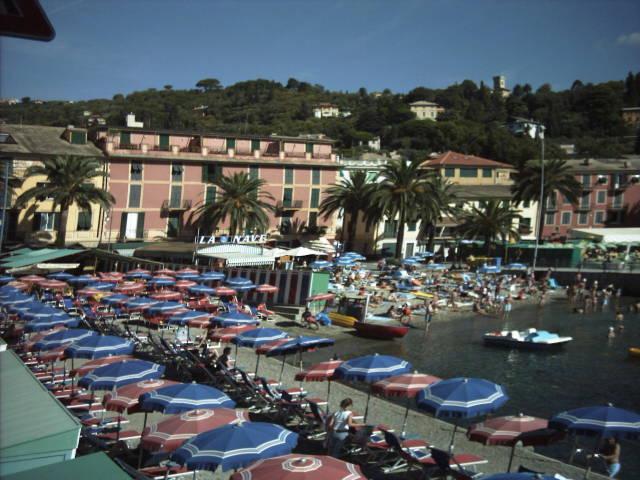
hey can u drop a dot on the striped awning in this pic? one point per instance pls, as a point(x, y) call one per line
point(241, 260)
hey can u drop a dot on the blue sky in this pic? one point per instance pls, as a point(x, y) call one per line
point(104, 47)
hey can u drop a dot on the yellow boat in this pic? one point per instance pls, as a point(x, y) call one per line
point(342, 320)
point(423, 295)
point(634, 351)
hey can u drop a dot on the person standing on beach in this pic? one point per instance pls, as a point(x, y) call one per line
point(338, 427)
point(610, 453)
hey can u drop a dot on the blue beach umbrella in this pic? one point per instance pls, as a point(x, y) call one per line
point(426, 253)
point(354, 255)
point(118, 374)
point(461, 398)
point(188, 276)
point(344, 262)
point(235, 446)
point(138, 302)
point(41, 311)
point(99, 346)
point(60, 276)
point(184, 317)
point(162, 282)
point(320, 264)
point(181, 397)
point(102, 285)
point(212, 276)
point(23, 305)
point(602, 420)
point(58, 339)
point(231, 319)
point(46, 323)
point(201, 290)
point(240, 284)
point(164, 307)
point(138, 275)
point(6, 279)
point(297, 345)
point(259, 336)
point(436, 266)
point(115, 299)
point(81, 280)
point(371, 368)
point(410, 261)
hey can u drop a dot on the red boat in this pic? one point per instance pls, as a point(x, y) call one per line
point(381, 329)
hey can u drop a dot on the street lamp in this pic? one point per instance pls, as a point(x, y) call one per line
point(538, 132)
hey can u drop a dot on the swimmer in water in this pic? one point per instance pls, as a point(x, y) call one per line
point(611, 333)
point(619, 316)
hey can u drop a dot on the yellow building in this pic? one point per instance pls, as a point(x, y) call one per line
point(426, 110)
point(22, 146)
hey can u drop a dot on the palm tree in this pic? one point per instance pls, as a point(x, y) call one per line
point(436, 201)
point(242, 200)
point(490, 220)
point(397, 195)
point(350, 196)
point(557, 179)
point(69, 181)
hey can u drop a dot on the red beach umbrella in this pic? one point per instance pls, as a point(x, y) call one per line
point(266, 288)
point(187, 270)
point(172, 432)
point(129, 288)
point(88, 292)
point(225, 335)
point(19, 285)
point(53, 355)
point(167, 296)
point(407, 385)
point(225, 291)
point(300, 467)
point(91, 365)
point(32, 279)
point(27, 346)
point(319, 373)
point(53, 284)
point(184, 284)
point(111, 275)
point(139, 270)
point(125, 399)
point(165, 271)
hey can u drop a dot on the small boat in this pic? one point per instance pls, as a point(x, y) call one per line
point(634, 351)
point(381, 328)
point(530, 339)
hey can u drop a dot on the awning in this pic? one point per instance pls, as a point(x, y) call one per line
point(37, 256)
point(304, 252)
point(607, 235)
point(241, 260)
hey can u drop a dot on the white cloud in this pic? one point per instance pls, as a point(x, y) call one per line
point(632, 39)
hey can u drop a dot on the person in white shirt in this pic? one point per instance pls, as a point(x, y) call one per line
point(338, 427)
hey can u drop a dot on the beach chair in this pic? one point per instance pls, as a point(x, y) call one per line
point(408, 454)
point(262, 400)
point(441, 464)
point(316, 425)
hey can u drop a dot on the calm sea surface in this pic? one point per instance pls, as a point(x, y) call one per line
point(591, 370)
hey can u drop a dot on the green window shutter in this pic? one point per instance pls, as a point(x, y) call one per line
point(37, 219)
point(176, 196)
point(84, 220)
point(140, 226)
point(315, 197)
point(287, 197)
point(123, 225)
point(78, 138)
point(210, 195)
point(254, 172)
point(205, 173)
point(308, 148)
point(231, 143)
point(255, 145)
point(449, 172)
point(134, 196)
point(164, 141)
point(125, 138)
point(487, 172)
point(469, 172)
point(288, 175)
point(313, 219)
point(315, 176)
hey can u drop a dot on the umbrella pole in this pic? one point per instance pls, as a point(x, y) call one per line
point(453, 437)
point(72, 379)
point(257, 363)
point(366, 409)
point(144, 425)
point(328, 394)
point(404, 422)
point(284, 357)
point(513, 451)
point(118, 430)
point(53, 375)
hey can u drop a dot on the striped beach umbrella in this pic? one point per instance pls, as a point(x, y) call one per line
point(45, 323)
point(229, 319)
point(121, 373)
point(212, 276)
point(300, 467)
point(319, 373)
point(166, 296)
point(258, 336)
point(184, 284)
point(602, 420)
point(225, 292)
point(126, 398)
point(91, 365)
point(184, 396)
point(83, 279)
point(227, 334)
point(62, 337)
point(129, 288)
point(194, 277)
point(297, 345)
point(240, 284)
point(138, 273)
point(102, 286)
point(166, 271)
point(172, 432)
point(184, 318)
point(97, 346)
point(235, 446)
point(140, 303)
point(116, 299)
point(162, 281)
point(199, 289)
point(164, 307)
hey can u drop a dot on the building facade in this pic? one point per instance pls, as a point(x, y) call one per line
point(631, 116)
point(161, 178)
point(424, 110)
point(326, 110)
point(610, 197)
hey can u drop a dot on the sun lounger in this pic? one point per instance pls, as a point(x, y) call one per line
point(457, 466)
point(125, 435)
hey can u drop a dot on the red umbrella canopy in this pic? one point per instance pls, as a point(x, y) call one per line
point(172, 432)
point(225, 291)
point(111, 275)
point(504, 430)
point(187, 270)
point(165, 296)
point(227, 334)
point(19, 285)
point(184, 284)
point(139, 270)
point(126, 398)
point(129, 287)
point(165, 271)
point(300, 467)
point(319, 372)
point(266, 288)
point(32, 279)
point(88, 292)
point(263, 349)
point(53, 284)
point(53, 355)
point(91, 365)
point(407, 385)
point(39, 336)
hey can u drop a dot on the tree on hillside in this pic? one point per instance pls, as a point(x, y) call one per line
point(69, 182)
point(558, 178)
point(242, 200)
point(436, 201)
point(351, 196)
point(490, 220)
point(209, 84)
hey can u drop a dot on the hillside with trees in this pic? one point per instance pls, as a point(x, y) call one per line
point(587, 115)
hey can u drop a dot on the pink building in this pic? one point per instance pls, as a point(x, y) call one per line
point(160, 178)
point(610, 198)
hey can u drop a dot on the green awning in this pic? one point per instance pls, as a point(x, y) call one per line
point(37, 256)
point(97, 466)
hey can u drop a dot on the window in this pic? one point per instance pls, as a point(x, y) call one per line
point(131, 225)
point(566, 218)
point(313, 219)
point(615, 217)
point(287, 197)
point(315, 176)
point(583, 218)
point(136, 171)
point(619, 179)
point(173, 225)
point(231, 143)
point(176, 196)
point(468, 172)
point(315, 198)
point(525, 222)
point(285, 222)
point(601, 196)
point(487, 173)
point(176, 172)
point(211, 172)
point(134, 196)
point(288, 175)
point(618, 200)
point(46, 221)
point(603, 179)
point(566, 200)
point(586, 180)
point(84, 220)
point(308, 148)
point(550, 218)
point(409, 250)
point(164, 142)
point(390, 228)
point(585, 200)
point(599, 218)
point(551, 201)
point(412, 227)
point(449, 172)
point(255, 145)
point(210, 195)
point(78, 138)
point(254, 172)
point(125, 138)
point(526, 204)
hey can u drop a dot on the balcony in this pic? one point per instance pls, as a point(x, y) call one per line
point(169, 206)
point(524, 229)
point(289, 205)
point(553, 207)
point(617, 207)
point(583, 207)
point(128, 146)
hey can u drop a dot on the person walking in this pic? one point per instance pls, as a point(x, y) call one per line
point(338, 428)
point(610, 453)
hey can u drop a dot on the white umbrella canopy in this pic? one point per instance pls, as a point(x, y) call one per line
point(321, 244)
point(304, 252)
